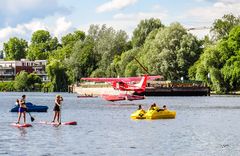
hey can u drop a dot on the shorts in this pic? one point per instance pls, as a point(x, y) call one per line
point(56, 108)
point(21, 110)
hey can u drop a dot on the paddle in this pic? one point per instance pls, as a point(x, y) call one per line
point(32, 118)
point(60, 115)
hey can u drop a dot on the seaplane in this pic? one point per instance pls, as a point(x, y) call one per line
point(128, 84)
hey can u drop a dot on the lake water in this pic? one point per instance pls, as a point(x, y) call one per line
point(203, 126)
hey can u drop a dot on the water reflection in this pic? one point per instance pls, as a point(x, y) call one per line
point(22, 131)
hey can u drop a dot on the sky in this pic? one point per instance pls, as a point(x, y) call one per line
point(20, 18)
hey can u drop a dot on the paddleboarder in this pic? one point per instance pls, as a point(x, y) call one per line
point(57, 108)
point(22, 109)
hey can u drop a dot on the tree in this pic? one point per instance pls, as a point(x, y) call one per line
point(58, 76)
point(68, 42)
point(82, 62)
point(42, 44)
point(72, 38)
point(32, 79)
point(221, 61)
point(122, 63)
point(222, 27)
point(1, 54)
point(107, 44)
point(143, 29)
point(21, 79)
point(15, 48)
point(171, 52)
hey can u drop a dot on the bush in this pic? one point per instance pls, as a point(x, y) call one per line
point(7, 86)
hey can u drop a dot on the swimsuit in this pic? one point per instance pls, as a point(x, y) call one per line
point(22, 109)
point(56, 108)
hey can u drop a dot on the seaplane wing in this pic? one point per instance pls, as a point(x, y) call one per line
point(121, 79)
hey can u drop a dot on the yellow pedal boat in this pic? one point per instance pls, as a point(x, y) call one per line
point(138, 114)
point(155, 113)
point(160, 114)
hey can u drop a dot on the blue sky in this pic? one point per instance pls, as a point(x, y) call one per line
point(22, 17)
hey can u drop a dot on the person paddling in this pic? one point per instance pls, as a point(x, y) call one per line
point(57, 108)
point(22, 109)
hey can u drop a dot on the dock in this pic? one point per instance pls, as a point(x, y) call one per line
point(154, 88)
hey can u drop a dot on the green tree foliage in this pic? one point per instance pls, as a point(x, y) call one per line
point(221, 62)
point(42, 44)
point(33, 79)
point(122, 66)
point(21, 81)
point(82, 62)
point(72, 38)
point(171, 52)
point(68, 42)
point(15, 48)
point(58, 76)
point(221, 27)
point(7, 86)
point(25, 81)
point(107, 44)
point(143, 29)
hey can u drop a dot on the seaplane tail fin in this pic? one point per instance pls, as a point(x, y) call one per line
point(142, 84)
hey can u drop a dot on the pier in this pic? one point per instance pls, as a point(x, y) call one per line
point(154, 88)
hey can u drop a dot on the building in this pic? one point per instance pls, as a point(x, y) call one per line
point(9, 69)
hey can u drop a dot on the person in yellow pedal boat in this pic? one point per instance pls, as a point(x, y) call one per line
point(153, 106)
point(164, 107)
point(140, 108)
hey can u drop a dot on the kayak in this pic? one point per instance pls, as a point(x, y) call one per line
point(138, 114)
point(21, 125)
point(160, 114)
point(86, 96)
point(55, 123)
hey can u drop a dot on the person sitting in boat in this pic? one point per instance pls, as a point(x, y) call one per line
point(57, 108)
point(140, 108)
point(164, 107)
point(22, 109)
point(153, 106)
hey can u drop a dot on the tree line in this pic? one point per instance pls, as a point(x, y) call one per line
point(171, 51)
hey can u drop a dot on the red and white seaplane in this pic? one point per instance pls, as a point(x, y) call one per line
point(125, 84)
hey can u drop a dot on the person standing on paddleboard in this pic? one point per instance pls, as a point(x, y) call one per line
point(22, 109)
point(57, 108)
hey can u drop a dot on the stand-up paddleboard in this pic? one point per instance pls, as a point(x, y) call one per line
point(55, 123)
point(21, 125)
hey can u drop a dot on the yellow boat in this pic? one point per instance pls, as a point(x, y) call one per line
point(138, 114)
point(160, 114)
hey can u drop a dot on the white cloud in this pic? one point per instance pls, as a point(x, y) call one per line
point(13, 12)
point(62, 26)
point(59, 28)
point(115, 5)
point(205, 16)
point(128, 22)
point(140, 16)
